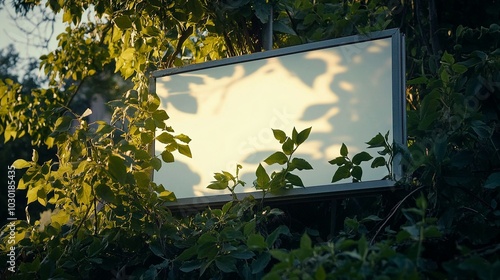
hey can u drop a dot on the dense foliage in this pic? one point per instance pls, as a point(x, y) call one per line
point(105, 218)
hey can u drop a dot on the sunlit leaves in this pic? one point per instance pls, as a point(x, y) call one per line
point(21, 163)
point(262, 177)
point(184, 150)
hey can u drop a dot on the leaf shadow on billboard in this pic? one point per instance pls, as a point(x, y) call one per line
point(343, 92)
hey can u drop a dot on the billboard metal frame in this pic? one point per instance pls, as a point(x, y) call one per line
point(326, 191)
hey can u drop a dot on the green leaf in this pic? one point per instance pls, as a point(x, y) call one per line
point(218, 185)
point(167, 156)
point(256, 241)
point(123, 22)
point(363, 156)
point(183, 138)
point(294, 135)
point(357, 172)
point(227, 206)
point(287, 147)
point(338, 161)
point(262, 176)
point(377, 141)
point(104, 192)
point(128, 54)
point(167, 196)
point(249, 227)
point(142, 179)
point(300, 164)
point(160, 115)
point(188, 253)
point(417, 81)
point(21, 163)
point(448, 58)
point(271, 238)
point(343, 150)
point(280, 255)
point(305, 242)
point(279, 135)
point(262, 10)
point(341, 173)
point(320, 273)
point(165, 138)
point(156, 163)
point(294, 179)
point(189, 266)
point(242, 255)
point(32, 194)
point(226, 264)
point(261, 262)
point(155, 247)
point(377, 162)
point(63, 124)
point(185, 150)
point(303, 135)
point(459, 68)
point(117, 168)
point(493, 181)
point(151, 31)
point(277, 157)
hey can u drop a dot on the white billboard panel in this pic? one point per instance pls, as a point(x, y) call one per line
point(348, 90)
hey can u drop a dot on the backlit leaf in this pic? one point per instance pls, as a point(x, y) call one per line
point(294, 180)
point(21, 163)
point(303, 135)
point(377, 162)
point(343, 150)
point(341, 173)
point(165, 138)
point(185, 150)
point(277, 157)
point(357, 172)
point(377, 141)
point(300, 164)
point(363, 156)
point(166, 156)
point(288, 147)
point(279, 135)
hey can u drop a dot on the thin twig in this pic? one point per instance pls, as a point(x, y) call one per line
point(393, 211)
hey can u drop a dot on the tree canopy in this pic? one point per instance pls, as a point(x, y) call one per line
point(104, 217)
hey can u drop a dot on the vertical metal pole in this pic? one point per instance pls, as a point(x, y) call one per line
point(267, 36)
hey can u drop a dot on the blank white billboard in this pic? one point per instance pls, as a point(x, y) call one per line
point(348, 90)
